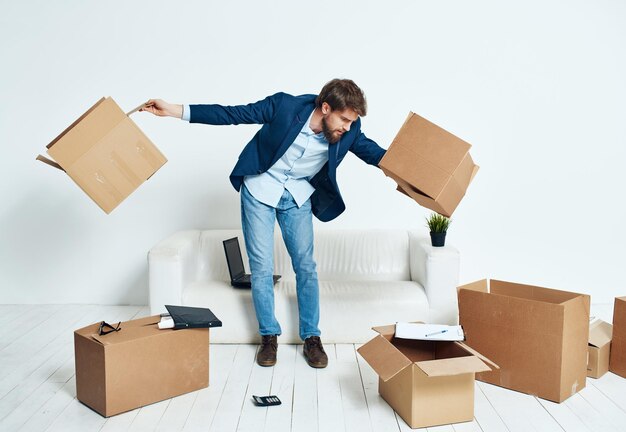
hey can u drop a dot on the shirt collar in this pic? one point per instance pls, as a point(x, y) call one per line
point(307, 128)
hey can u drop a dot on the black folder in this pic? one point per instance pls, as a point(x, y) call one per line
point(192, 317)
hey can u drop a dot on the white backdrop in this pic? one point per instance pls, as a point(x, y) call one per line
point(538, 88)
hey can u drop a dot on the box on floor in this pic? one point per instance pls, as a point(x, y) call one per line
point(617, 363)
point(599, 348)
point(427, 383)
point(429, 164)
point(538, 336)
point(106, 154)
point(138, 365)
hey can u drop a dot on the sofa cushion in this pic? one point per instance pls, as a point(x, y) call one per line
point(366, 255)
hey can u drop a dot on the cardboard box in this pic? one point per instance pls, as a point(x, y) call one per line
point(538, 336)
point(138, 365)
point(106, 154)
point(429, 164)
point(617, 363)
point(427, 383)
point(599, 348)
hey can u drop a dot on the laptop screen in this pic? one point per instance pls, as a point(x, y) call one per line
point(233, 258)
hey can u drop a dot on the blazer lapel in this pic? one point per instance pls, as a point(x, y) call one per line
point(294, 129)
point(333, 150)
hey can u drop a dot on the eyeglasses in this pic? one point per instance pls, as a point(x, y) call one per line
point(106, 328)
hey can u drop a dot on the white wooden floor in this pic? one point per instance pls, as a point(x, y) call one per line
point(37, 388)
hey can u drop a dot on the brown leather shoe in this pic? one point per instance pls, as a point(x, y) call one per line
point(314, 352)
point(267, 352)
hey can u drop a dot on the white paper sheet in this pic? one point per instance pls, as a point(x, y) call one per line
point(436, 332)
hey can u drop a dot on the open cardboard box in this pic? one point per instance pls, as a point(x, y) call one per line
point(429, 164)
point(105, 153)
point(538, 336)
point(617, 363)
point(138, 365)
point(427, 383)
point(599, 348)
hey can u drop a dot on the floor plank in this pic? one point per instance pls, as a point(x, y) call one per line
point(252, 418)
point(25, 323)
point(25, 410)
point(231, 403)
point(329, 402)
point(603, 404)
point(52, 409)
point(355, 411)
point(149, 416)
point(305, 403)
point(564, 416)
point(207, 401)
point(11, 312)
point(485, 414)
point(278, 417)
point(177, 412)
point(472, 426)
point(519, 411)
point(613, 387)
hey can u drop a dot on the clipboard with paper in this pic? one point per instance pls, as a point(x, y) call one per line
point(181, 317)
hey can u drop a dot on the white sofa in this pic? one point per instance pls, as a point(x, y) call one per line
point(367, 278)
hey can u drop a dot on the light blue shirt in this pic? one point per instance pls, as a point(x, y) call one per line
point(302, 160)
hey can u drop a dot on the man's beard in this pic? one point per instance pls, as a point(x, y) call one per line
point(328, 134)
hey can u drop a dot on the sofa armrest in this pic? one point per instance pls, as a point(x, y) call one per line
point(437, 270)
point(172, 265)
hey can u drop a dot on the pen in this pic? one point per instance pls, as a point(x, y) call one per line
point(439, 332)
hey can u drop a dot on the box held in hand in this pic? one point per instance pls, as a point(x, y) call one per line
point(106, 154)
point(538, 336)
point(429, 164)
point(427, 383)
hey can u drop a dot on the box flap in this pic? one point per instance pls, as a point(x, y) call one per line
point(452, 366)
point(477, 354)
point(600, 333)
point(92, 329)
point(388, 330)
point(383, 357)
point(420, 198)
point(474, 172)
point(127, 333)
point(49, 162)
point(480, 286)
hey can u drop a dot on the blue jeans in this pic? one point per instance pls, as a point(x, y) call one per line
point(296, 225)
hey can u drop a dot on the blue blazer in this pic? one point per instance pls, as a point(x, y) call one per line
point(283, 116)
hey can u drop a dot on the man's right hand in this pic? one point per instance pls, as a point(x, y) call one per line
point(163, 109)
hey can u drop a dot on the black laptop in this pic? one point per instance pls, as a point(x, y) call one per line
point(238, 276)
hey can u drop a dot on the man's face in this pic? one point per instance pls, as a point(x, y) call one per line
point(336, 123)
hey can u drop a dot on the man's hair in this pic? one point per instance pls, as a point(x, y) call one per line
point(341, 94)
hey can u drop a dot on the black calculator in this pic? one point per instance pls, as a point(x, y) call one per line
point(266, 400)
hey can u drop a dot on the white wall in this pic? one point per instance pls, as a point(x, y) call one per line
point(537, 87)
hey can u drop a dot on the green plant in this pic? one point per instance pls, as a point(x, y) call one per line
point(438, 223)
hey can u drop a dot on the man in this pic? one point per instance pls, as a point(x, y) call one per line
point(286, 173)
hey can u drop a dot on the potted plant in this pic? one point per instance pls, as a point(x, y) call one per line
point(438, 225)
